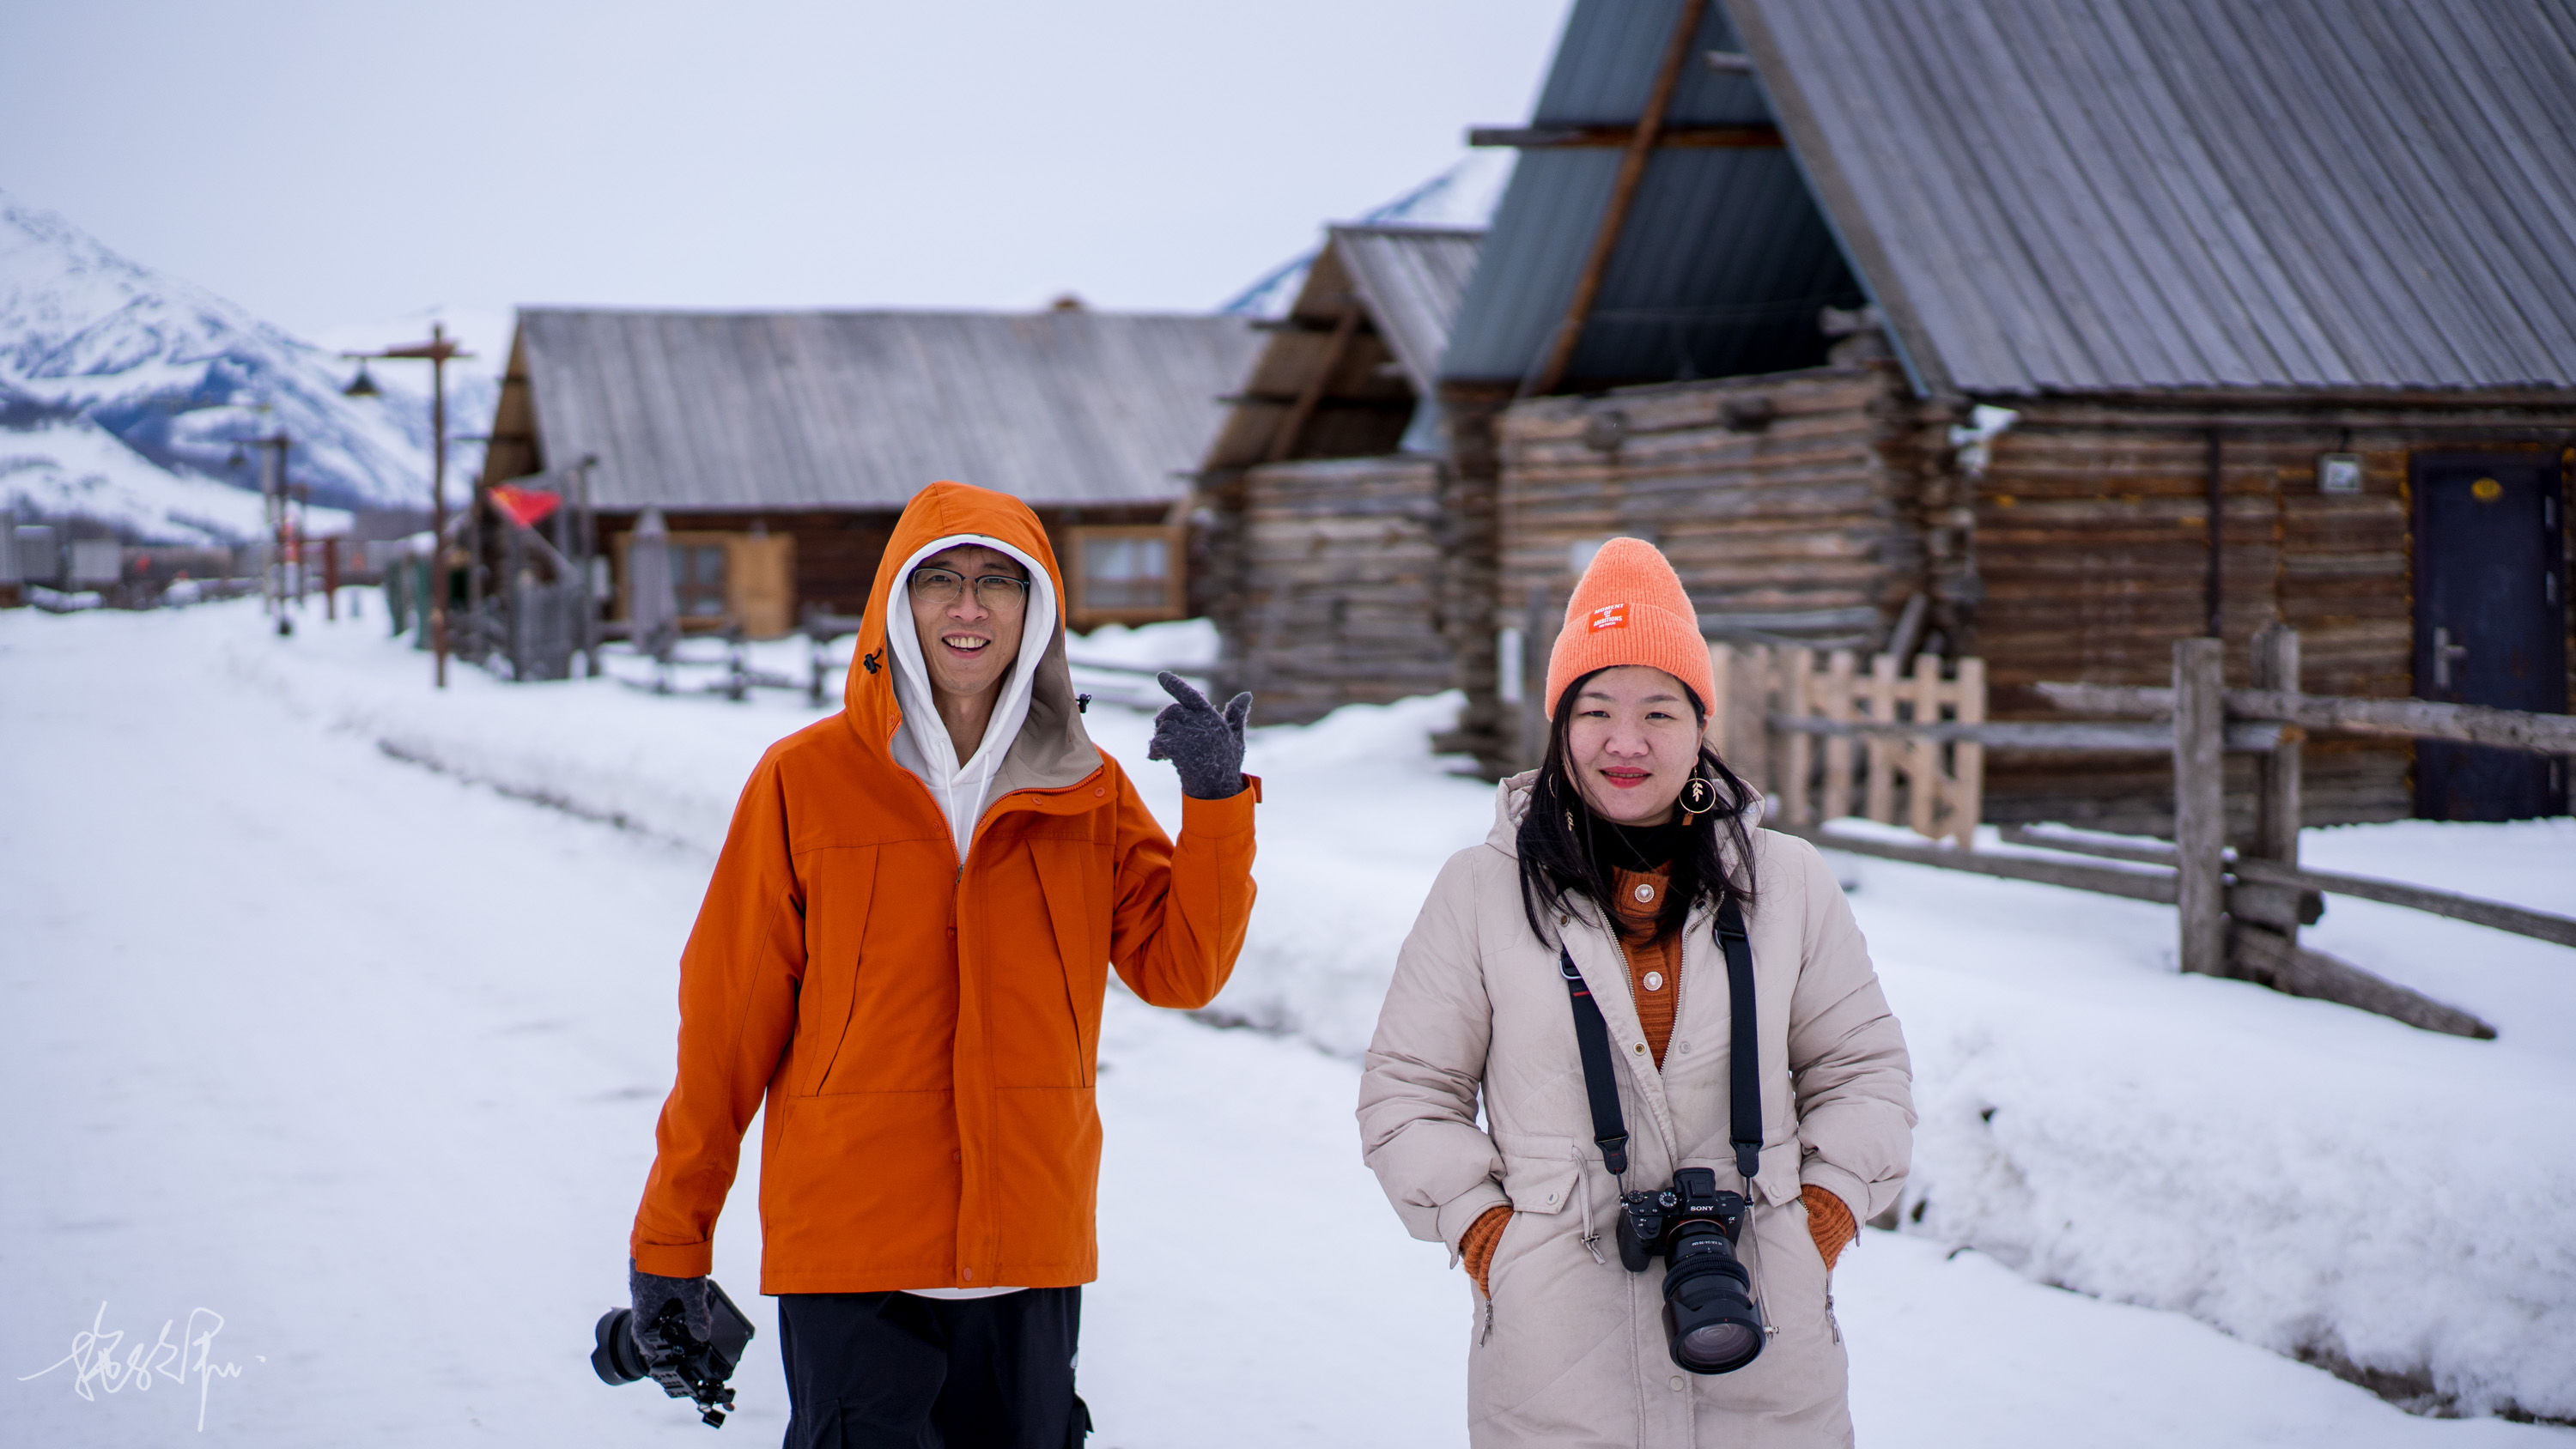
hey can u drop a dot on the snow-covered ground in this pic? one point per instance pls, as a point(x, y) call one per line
point(324, 1023)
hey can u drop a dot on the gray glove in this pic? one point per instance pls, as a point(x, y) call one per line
point(1205, 747)
point(651, 1293)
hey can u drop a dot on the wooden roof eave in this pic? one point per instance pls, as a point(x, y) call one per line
point(1294, 379)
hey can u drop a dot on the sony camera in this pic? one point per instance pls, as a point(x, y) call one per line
point(1710, 1322)
point(694, 1368)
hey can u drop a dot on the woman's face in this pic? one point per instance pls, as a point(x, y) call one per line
point(1631, 742)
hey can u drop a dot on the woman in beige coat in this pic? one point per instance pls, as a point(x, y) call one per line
point(1615, 862)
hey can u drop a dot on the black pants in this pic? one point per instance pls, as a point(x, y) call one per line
point(896, 1371)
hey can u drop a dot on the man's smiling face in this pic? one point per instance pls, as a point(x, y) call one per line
point(968, 641)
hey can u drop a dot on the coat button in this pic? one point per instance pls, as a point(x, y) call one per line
point(1654, 981)
point(1645, 893)
point(1641, 1048)
point(1099, 790)
point(1677, 1382)
point(1551, 1197)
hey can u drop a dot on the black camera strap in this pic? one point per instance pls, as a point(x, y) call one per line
point(1744, 1087)
point(1600, 1080)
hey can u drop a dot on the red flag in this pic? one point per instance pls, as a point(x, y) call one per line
point(527, 505)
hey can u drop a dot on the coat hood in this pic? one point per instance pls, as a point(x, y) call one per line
point(1051, 750)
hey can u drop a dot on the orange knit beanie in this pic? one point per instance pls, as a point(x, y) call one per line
point(1630, 609)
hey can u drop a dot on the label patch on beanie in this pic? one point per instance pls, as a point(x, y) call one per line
point(1609, 616)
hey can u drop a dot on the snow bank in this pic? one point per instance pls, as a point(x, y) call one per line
point(2322, 1182)
point(1179, 644)
point(2327, 1184)
point(2383, 1201)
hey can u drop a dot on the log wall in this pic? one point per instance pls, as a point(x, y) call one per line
point(1819, 509)
point(1338, 592)
point(2092, 528)
point(2080, 552)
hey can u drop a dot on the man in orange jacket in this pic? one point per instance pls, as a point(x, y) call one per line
point(903, 954)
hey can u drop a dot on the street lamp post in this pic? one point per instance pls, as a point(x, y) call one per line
point(438, 351)
point(284, 541)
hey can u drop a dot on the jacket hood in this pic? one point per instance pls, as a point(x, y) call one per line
point(1512, 802)
point(1051, 750)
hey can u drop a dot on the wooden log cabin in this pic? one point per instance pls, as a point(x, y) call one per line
point(781, 446)
point(2049, 334)
point(1327, 566)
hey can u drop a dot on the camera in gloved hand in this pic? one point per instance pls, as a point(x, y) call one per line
point(668, 1352)
point(1710, 1322)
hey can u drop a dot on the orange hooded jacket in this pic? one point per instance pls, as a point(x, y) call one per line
point(924, 1031)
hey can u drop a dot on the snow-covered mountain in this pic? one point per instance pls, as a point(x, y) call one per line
point(124, 391)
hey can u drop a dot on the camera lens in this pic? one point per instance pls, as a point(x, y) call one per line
point(1709, 1319)
point(1715, 1348)
point(618, 1358)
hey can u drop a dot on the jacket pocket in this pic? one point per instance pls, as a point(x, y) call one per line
point(1043, 980)
point(841, 887)
point(1541, 1187)
point(1540, 1192)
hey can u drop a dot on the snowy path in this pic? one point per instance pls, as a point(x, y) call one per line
point(366, 1058)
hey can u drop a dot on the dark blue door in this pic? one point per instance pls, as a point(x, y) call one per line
point(2490, 625)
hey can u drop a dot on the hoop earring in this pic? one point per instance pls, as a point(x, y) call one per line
point(1698, 796)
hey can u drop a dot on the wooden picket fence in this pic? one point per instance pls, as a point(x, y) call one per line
point(1827, 737)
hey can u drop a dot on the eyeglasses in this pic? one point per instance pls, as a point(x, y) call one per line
point(994, 591)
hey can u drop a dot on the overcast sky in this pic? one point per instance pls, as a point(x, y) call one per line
point(325, 162)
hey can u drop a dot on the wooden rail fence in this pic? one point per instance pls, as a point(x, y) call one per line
point(1827, 737)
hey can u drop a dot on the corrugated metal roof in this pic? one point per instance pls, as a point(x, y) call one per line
point(779, 410)
point(1724, 261)
point(2133, 194)
point(1411, 278)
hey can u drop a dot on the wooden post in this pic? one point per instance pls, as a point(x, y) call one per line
point(1799, 668)
point(1720, 733)
point(1838, 748)
point(2276, 803)
point(1880, 801)
point(1753, 729)
point(1538, 639)
point(2277, 810)
point(1923, 754)
point(2200, 804)
point(1968, 758)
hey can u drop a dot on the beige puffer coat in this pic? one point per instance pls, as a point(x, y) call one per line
point(1570, 1351)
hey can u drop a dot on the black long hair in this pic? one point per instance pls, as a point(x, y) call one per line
point(1564, 871)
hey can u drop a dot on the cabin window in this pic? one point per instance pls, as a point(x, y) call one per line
point(725, 580)
point(1125, 575)
point(698, 569)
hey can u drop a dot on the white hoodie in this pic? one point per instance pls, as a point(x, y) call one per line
point(962, 787)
